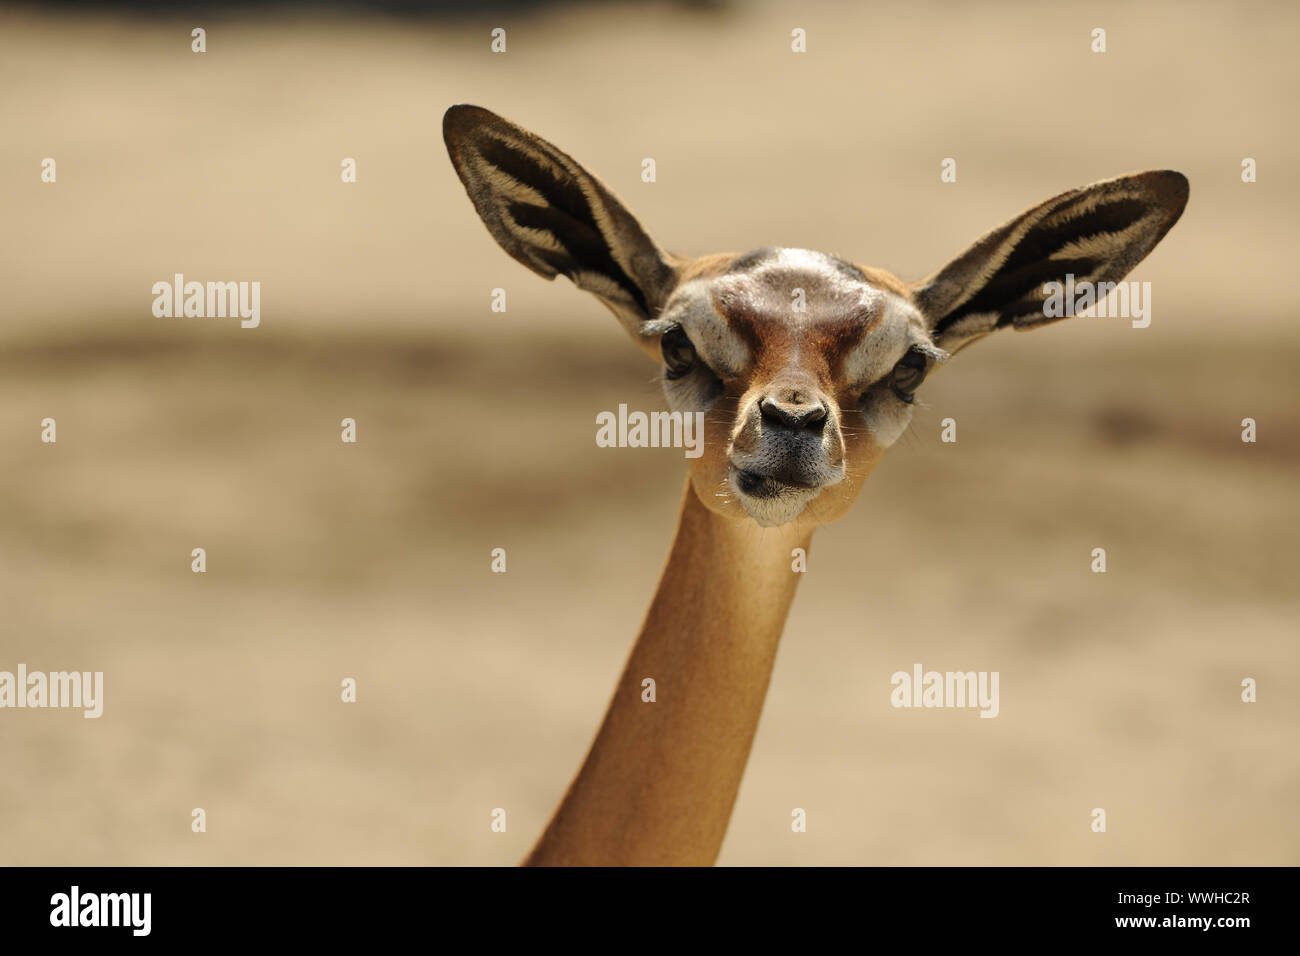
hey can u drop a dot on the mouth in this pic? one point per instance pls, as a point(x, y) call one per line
point(757, 485)
point(770, 501)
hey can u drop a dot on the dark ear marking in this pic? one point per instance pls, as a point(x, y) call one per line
point(1097, 233)
point(553, 216)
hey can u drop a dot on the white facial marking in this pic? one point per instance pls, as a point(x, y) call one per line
point(692, 307)
point(888, 418)
point(899, 326)
point(774, 511)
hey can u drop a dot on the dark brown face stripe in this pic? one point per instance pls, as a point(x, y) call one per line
point(755, 298)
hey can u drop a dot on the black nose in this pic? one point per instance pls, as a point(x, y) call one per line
point(794, 412)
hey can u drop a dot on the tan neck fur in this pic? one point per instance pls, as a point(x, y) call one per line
point(660, 780)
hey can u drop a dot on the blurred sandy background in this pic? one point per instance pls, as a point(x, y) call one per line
point(476, 431)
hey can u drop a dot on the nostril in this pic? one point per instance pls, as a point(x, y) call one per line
point(801, 415)
point(771, 410)
point(779, 413)
point(816, 416)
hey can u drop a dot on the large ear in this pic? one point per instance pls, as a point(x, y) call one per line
point(1097, 233)
point(554, 216)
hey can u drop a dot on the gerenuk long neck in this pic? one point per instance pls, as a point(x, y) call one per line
point(661, 778)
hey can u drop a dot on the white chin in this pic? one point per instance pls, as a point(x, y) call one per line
point(778, 510)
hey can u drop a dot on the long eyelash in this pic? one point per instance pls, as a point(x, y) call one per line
point(658, 327)
point(931, 351)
